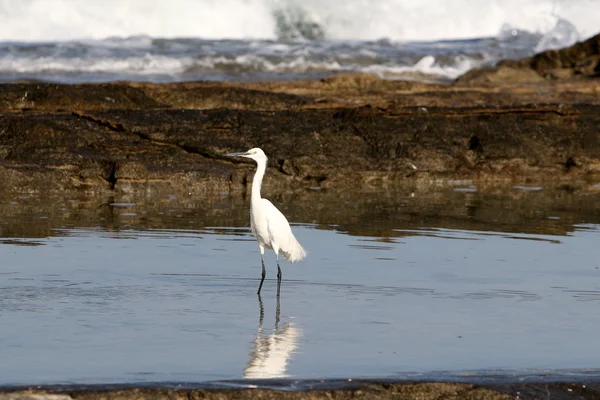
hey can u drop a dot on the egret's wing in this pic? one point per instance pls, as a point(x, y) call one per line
point(281, 233)
point(278, 223)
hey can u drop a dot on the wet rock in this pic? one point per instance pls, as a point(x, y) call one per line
point(582, 58)
point(582, 61)
point(186, 95)
point(500, 75)
point(55, 97)
point(344, 133)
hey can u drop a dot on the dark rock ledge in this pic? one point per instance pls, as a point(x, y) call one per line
point(341, 133)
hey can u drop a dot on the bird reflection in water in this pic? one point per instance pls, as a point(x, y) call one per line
point(273, 349)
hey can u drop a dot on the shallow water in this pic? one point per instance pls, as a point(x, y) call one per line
point(139, 290)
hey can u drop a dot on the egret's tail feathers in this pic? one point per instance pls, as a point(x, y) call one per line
point(294, 251)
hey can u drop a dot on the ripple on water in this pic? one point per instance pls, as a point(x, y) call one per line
point(584, 295)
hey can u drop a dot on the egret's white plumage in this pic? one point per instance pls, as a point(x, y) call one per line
point(269, 226)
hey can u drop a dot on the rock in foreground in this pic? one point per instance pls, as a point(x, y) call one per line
point(359, 391)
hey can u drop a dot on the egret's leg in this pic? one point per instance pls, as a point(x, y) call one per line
point(278, 269)
point(278, 277)
point(264, 272)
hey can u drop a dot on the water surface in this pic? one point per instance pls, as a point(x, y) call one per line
point(156, 290)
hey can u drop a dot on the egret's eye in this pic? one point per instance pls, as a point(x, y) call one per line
point(253, 152)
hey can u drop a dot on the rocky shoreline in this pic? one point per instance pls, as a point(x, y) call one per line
point(346, 132)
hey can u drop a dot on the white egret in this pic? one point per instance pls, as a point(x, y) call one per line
point(269, 226)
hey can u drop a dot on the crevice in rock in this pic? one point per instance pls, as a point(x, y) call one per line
point(281, 163)
point(570, 163)
point(119, 128)
point(190, 149)
point(245, 185)
point(112, 174)
point(317, 179)
point(475, 144)
point(104, 124)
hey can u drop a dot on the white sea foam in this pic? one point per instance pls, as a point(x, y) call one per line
point(193, 68)
point(563, 34)
point(43, 20)
point(427, 66)
point(146, 65)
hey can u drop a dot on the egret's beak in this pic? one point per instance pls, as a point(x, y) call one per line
point(242, 154)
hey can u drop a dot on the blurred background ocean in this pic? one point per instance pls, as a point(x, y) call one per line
point(76, 41)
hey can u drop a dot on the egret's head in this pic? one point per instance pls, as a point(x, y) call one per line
point(256, 154)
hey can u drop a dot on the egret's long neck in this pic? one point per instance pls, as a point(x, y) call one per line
point(261, 167)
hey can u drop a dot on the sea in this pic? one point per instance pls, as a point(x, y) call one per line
point(78, 41)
